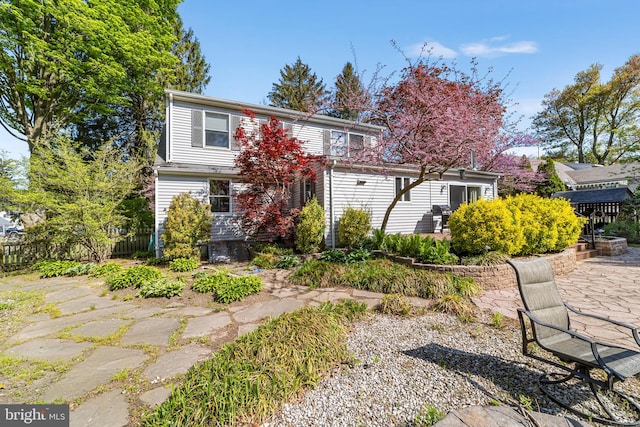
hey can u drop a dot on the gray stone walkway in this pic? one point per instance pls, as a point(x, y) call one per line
point(147, 335)
point(143, 343)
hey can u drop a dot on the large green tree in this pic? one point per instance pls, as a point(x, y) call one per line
point(78, 194)
point(591, 120)
point(65, 61)
point(298, 89)
point(349, 94)
point(136, 123)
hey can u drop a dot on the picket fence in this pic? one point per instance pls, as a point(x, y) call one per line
point(16, 256)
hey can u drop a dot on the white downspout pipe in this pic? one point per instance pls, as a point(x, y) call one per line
point(331, 207)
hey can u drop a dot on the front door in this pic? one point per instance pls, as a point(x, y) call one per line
point(457, 196)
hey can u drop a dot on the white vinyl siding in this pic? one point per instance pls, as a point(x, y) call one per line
point(187, 142)
point(224, 226)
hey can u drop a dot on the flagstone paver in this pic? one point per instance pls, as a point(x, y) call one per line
point(96, 369)
point(153, 331)
point(106, 410)
point(54, 350)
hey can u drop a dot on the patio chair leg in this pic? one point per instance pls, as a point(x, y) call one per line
point(553, 378)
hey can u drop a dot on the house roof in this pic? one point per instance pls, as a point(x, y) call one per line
point(605, 195)
point(594, 174)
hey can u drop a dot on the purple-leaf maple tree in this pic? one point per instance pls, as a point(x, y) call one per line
point(269, 163)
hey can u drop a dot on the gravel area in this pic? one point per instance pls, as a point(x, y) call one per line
point(404, 363)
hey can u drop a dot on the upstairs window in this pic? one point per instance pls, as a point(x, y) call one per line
point(339, 143)
point(356, 144)
point(216, 130)
point(402, 183)
point(220, 195)
point(344, 144)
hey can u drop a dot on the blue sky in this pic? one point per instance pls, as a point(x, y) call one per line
point(534, 46)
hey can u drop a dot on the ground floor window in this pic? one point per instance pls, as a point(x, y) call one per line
point(220, 195)
point(401, 184)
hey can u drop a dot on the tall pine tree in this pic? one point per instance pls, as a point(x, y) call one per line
point(552, 182)
point(349, 93)
point(298, 89)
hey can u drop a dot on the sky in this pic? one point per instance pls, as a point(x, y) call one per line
point(532, 47)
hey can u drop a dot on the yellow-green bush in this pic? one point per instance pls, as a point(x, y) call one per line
point(483, 225)
point(521, 225)
point(354, 227)
point(310, 228)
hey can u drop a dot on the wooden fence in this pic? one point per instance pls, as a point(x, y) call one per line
point(17, 254)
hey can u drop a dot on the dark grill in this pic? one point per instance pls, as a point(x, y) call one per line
point(443, 211)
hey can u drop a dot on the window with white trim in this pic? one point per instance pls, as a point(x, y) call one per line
point(401, 184)
point(216, 130)
point(345, 144)
point(220, 195)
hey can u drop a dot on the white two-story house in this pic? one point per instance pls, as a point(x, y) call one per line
point(197, 151)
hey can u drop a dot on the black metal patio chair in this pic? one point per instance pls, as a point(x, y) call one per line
point(600, 365)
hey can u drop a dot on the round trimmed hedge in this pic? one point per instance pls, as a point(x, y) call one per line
point(525, 224)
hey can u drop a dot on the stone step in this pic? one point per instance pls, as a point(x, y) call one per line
point(586, 253)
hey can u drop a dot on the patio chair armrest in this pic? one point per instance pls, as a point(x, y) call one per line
point(633, 329)
point(573, 334)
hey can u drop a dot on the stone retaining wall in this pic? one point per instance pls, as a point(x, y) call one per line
point(501, 276)
point(611, 246)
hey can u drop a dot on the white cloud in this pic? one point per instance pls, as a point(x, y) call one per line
point(433, 49)
point(493, 47)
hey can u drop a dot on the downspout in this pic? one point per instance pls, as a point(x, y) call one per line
point(169, 127)
point(331, 209)
point(156, 243)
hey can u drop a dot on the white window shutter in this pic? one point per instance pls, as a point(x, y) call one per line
point(326, 142)
point(233, 125)
point(196, 128)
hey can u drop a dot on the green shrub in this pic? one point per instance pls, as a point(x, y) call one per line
point(311, 273)
point(182, 265)
point(209, 282)
point(142, 254)
point(156, 261)
point(133, 277)
point(454, 304)
point(358, 255)
point(54, 268)
point(310, 228)
point(354, 227)
point(266, 261)
point(437, 252)
point(160, 288)
point(334, 255)
point(80, 270)
point(237, 288)
point(490, 258)
point(483, 225)
point(395, 304)
point(287, 261)
point(105, 270)
point(384, 276)
point(520, 225)
point(271, 248)
point(628, 229)
point(227, 288)
point(377, 239)
point(429, 415)
point(187, 225)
